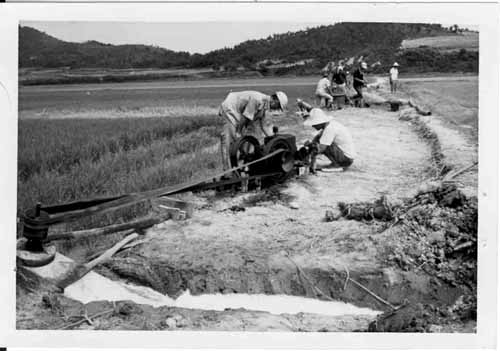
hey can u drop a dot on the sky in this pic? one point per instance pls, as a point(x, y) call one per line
point(191, 37)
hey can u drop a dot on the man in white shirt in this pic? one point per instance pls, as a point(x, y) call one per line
point(393, 77)
point(323, 91)
point(243, 111)
point(334, 140)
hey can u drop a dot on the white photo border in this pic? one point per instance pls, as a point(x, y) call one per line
point(483, 14)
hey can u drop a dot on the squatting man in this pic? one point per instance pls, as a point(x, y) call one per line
point(243, 112)
point(333, 140)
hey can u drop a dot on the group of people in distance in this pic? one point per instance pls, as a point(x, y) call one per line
point(246, 112)
point(337, 81)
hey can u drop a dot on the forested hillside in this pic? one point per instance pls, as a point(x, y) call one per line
point(374, 41)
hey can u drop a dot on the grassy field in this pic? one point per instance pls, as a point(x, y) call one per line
point(468, 41)
point(63, 160)
point(456, 101)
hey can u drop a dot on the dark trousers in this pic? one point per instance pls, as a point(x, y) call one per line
point(359, 91)
point(358, 98)
point(337, 156)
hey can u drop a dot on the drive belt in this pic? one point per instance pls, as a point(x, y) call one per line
point(74, 210)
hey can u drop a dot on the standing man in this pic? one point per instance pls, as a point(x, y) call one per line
point(334, 140)
point(243, 111)
point(359, 82)
point(340, 79)
point(323, 91)
point(393, 77)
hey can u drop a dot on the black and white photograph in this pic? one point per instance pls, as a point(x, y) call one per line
point(295, 176)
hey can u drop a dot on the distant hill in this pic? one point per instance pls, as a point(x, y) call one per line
point(38, 49)
point(373, 41)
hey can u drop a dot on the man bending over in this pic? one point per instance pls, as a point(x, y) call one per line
point(243, 111)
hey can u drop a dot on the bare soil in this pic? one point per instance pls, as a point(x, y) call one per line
point(277, 242)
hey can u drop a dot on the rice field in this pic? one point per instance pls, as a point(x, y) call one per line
point(455, 101)
point(64, 160)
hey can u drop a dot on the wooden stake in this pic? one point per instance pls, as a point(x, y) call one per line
point(126, 247)
point(81, 270)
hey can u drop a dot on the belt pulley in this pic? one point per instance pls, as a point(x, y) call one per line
point(248, 148)
point(244, 150)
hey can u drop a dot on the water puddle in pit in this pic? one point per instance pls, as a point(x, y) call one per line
point(95, 287)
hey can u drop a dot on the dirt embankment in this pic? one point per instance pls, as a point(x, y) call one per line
point(278, 242)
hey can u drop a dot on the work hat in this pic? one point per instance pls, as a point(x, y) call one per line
point(364, 65)
point(282, 98)
point(395, 64)
point(317, 116)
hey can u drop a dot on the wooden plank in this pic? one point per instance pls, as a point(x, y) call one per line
point(111, 229)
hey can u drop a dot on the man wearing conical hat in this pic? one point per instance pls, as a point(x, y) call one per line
point(333, 140)
point(393, 77)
